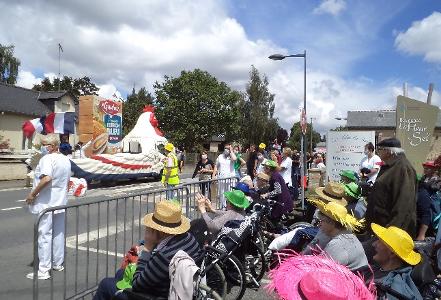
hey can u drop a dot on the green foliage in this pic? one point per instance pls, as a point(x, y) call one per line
point(133, 107)
point(296, 134)
point(340, 128)
point(258, 123)
point(8, 65)
point(195, 106)
point(76, 86)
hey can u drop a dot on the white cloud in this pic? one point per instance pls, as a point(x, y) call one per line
point(109, 91)
point(27, 80)
point(119, 44)
point(333, 7)
point(422, 38)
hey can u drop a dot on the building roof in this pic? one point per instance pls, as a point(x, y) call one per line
point(375, 119)
point(25, 101)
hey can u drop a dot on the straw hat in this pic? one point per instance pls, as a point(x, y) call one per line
point(270, 163)
point(352, 189)
point(169, 147)
point(338, 213)
point(332, 192)
point(263, 176)
point(399, 241)
point(317, 277)
point(167, 218)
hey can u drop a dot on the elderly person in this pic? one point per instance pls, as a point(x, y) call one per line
point(395, 257)
point(213, 220)
point(51, 180)
point(166, 232)
point(338, 225)
point(278, 191)
point(392, 201)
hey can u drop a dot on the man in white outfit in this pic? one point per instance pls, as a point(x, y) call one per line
point(224, 168)
point(51, 179)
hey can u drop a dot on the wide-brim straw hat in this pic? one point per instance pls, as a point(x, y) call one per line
point(317, 277)
point(167, 218)
point(332, 192)
point(270, 164)
point(338, 213)
point(399, 241)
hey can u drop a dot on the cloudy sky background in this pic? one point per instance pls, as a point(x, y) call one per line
point(359, 53)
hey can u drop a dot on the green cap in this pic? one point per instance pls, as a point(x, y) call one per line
point(270, 163)
point(237, 198)
point(126, 282)
point(348, 174)
point(352, 189)
point(419, 176)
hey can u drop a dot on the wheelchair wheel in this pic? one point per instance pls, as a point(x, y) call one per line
point(233, 270)
point(206, 293)
point(299, 224)
point(256, 263)
point(215, 279)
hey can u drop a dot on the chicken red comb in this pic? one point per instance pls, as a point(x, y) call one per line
point(149, 108)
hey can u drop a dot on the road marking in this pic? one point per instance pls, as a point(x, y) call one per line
point(21, 200)
point(12, 208)
point(97, 251)
point(14, 189)
point(101, 233)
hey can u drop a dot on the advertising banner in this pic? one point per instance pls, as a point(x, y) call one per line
point(345, 151)
point(416, 121)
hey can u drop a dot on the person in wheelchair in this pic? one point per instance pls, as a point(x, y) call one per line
point(210, 224)
point(166, 232)
point(395, 258)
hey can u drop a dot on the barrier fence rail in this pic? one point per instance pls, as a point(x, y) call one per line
point(97, 233)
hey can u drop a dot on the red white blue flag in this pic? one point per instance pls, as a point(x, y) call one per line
point(63, 123)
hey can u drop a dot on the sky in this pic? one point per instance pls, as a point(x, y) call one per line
point(358, 53)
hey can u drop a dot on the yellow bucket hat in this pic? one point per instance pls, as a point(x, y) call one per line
point(338, 213)
point(399, 241)
point(262, 146)
point(169, 147)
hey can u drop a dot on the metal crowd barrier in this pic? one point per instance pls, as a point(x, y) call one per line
point(98, 233)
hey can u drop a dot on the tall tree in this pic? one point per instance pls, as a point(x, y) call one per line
point(8, 65)
point(133, 107)
point(296, 134)
point(195, 106)
point(76, 86)
point(258, 122)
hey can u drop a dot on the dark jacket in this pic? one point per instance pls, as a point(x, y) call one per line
point(398, 280)
point(152, 275)
point(392, 201)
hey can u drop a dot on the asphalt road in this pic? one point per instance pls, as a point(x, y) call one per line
point(16, 247)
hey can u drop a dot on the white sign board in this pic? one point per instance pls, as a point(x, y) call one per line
point(345, 151)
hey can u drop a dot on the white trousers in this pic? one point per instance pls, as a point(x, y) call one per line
point(223, 186)
point(51, 226)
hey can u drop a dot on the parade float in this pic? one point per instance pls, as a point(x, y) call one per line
point(107, 156)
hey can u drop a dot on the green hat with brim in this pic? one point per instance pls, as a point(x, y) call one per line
point(126, 282)
point(348, 174)
point(352, 189)
point(419, 176)
point(270, 163)
point(237, 198)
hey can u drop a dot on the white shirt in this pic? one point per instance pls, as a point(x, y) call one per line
point(225, 166)
point(371, 163)
point(57, 166)
point(286, 166)
point(260, 167)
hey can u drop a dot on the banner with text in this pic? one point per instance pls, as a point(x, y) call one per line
point(344, 151)
point(416, 121)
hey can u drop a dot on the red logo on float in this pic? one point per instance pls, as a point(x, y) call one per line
point(110, 107)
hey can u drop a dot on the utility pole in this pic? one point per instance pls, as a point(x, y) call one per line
point(429, 95)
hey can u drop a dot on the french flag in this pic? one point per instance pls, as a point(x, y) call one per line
point(63, 123)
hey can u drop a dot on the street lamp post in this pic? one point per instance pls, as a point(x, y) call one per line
point(304, 150)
